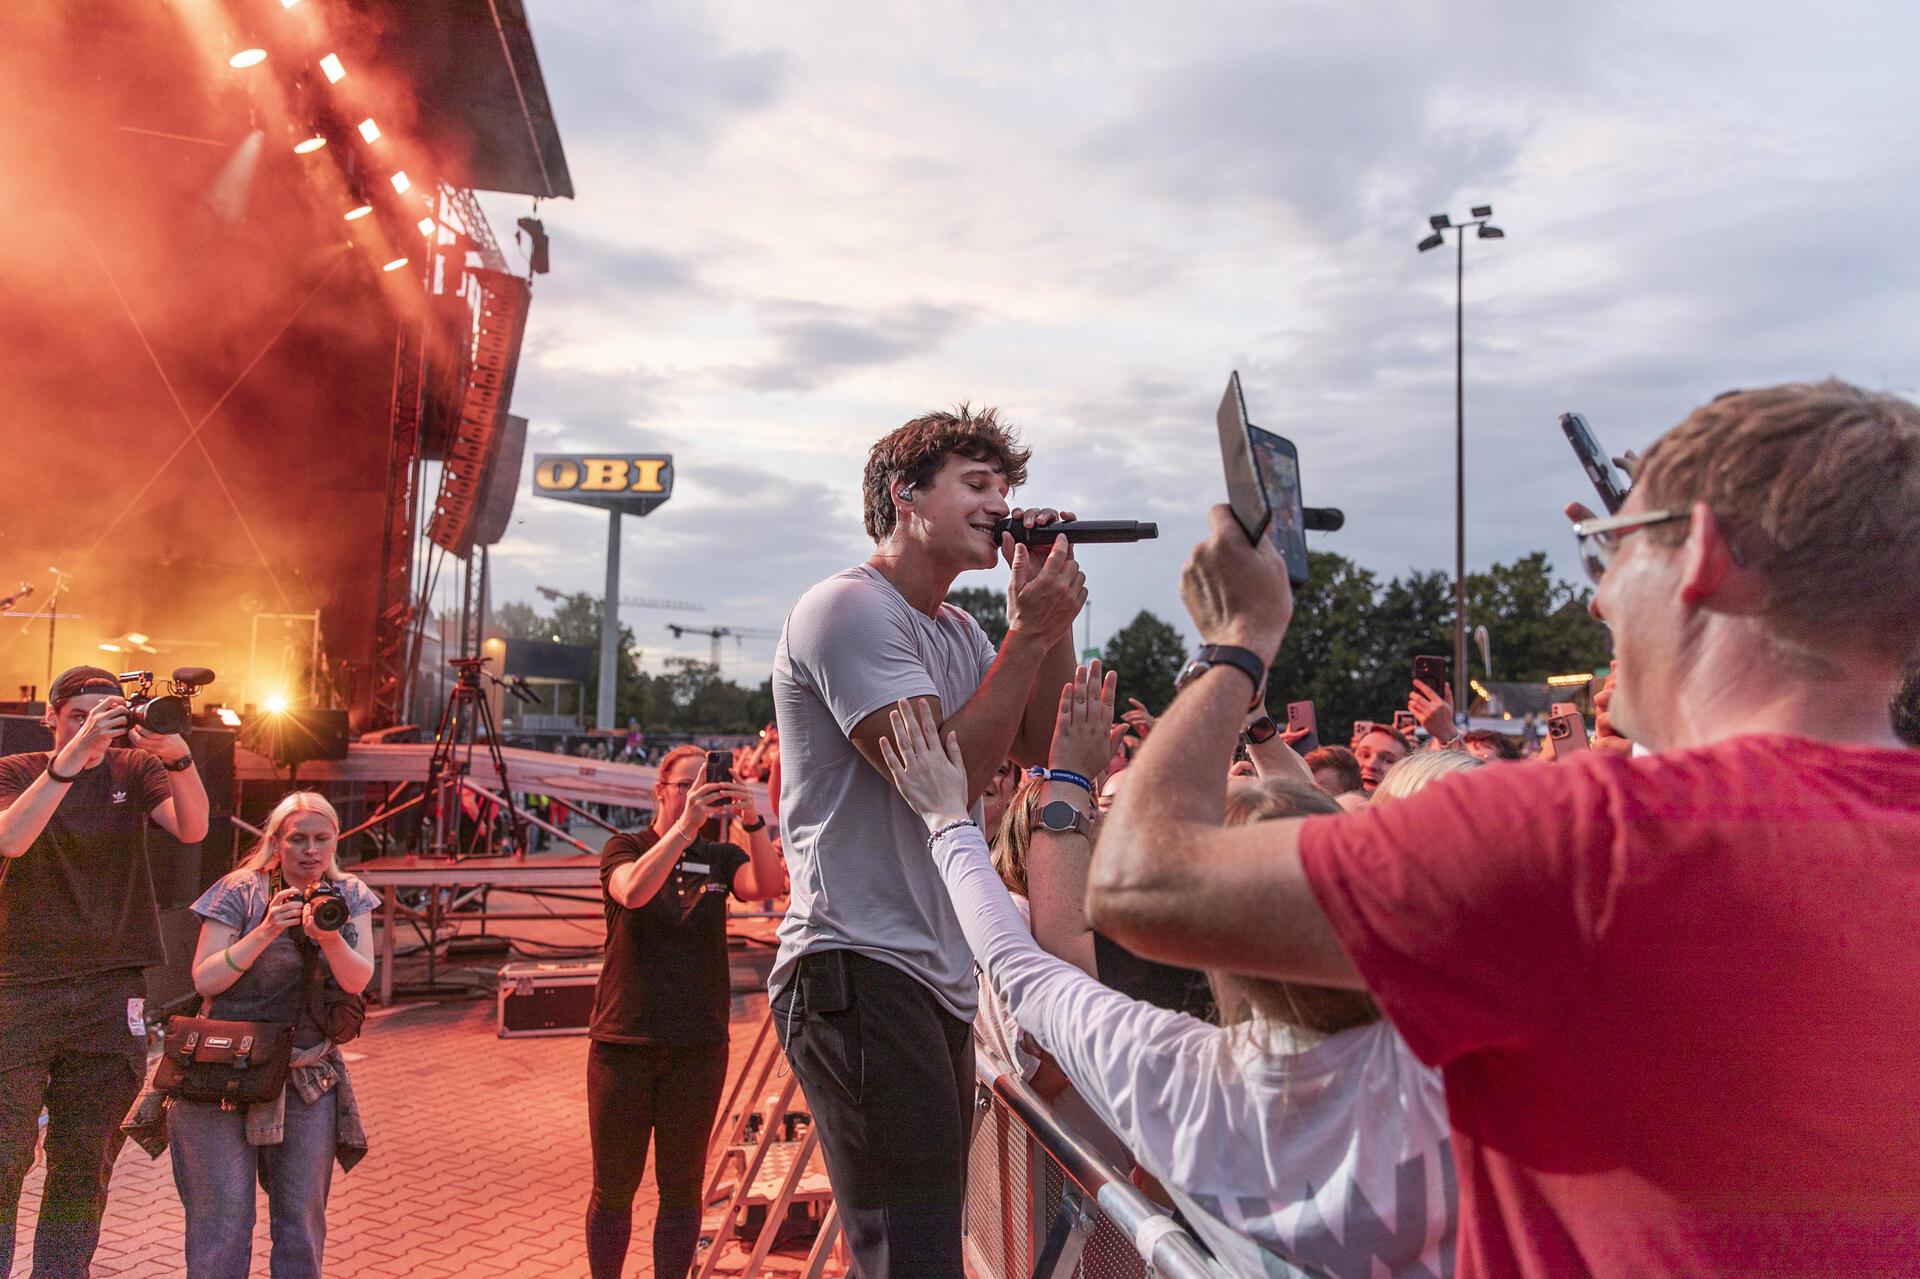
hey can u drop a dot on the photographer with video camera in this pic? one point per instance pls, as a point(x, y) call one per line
point(286, 940)
point(658, 1059)
point(78, 923)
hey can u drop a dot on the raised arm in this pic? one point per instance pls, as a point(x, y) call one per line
point(1057, 863)
point(1168, 881)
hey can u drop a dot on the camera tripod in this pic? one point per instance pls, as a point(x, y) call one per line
point(467, 711)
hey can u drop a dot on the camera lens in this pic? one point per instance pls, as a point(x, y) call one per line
point(1560, 728)
point(329, 912)
point(163, 715)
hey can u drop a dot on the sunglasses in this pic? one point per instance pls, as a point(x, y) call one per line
point(1600, 539)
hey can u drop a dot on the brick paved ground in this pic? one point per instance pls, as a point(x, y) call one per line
point(479, 1164)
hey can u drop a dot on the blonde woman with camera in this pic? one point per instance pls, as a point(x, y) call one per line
point(285, 939)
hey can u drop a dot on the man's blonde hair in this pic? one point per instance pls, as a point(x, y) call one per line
point(1421, 767)
point(1818, 488)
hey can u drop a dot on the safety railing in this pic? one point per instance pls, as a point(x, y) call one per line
point(1043, 1204)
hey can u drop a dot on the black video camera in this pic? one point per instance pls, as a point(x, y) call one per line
point(329, 906)
point(172, 711)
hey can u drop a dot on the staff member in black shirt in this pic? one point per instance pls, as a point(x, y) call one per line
point(659, 1055)
point(78, 923)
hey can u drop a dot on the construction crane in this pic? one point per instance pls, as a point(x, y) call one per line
point(718, 633)
point(636, 601)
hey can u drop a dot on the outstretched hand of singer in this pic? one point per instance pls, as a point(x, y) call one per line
point(930, 773)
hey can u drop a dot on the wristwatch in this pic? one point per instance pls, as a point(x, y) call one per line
point(759, 824)
point(180, 765)
point(1058, 817)
point(1259, 731)
point(1244, 660)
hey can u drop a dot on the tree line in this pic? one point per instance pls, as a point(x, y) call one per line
point(1350, 650)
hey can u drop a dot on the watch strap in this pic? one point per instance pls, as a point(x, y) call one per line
point(1076, 821)
point(1260, 731)
point(180, 765)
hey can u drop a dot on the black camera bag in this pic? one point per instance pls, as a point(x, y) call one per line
point(239, 1062)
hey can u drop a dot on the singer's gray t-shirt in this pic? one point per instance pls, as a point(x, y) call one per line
point(862, 879)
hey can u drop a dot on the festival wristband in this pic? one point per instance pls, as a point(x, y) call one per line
point(1060, 775)
point(227, 955)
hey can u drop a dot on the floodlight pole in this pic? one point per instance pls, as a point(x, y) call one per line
point(609, 629)
point(1483, 227)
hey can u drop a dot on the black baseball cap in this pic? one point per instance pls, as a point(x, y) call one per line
point(82, 679)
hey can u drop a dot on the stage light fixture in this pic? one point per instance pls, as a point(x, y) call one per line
point(425, 225)
point(247, 58)
point(331, 65)
point(135, 637)
point(288, 4)
point(229, 716)
point(1483, 210)
point(358, 212)
point(369, 130)
point(109, 648)
point(307, 146)
point(1433, 241)
point(1492, 233)
point(401, 182)
point(275, 703)
point(394, 265)
point(1439, 222)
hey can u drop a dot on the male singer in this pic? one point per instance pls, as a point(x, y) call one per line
point(873, 989)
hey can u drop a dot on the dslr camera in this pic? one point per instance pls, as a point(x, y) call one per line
point(172, 711)
point(329, 906)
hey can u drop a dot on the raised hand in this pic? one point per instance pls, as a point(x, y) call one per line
point(1139, 719)
point(930, 774)
point(1237, 592)
point(1433, 711)
point(1082, 735)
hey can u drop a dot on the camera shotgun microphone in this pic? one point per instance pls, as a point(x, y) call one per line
point(1322, 519)
point(1078, 531)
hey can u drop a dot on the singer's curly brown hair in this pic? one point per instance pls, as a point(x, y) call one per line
point(911, 455)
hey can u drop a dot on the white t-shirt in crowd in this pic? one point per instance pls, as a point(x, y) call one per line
point(1335, 1157)
point(856, 851)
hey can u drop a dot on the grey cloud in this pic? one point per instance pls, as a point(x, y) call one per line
point(624, 275)
point(641, 75)
point(818, 343)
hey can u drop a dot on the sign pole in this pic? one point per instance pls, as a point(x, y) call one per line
point(609, 628)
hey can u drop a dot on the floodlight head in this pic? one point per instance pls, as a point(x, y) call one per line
point(1492, 233)
point(1433, 241)
point(1483, 210)
point(1439, 222)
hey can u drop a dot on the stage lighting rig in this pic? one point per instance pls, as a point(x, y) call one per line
point(537, 258)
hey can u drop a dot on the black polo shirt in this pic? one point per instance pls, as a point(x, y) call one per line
point(80, 900)
point(665, 976)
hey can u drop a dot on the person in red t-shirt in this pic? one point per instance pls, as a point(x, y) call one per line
point(1672, 997)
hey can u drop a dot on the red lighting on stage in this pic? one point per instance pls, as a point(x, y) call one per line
point(369, 130)
point(426, 226)
point(401, 182)
point(358, 213)
point(307, 146)
point(247, 58)
point(331, 65)
point(394, 265)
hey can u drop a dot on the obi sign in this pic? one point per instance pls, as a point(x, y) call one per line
point(630, 483)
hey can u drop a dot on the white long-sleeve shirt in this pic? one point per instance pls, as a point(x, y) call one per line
point(1334, 1156)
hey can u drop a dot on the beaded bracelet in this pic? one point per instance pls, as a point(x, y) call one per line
point(948, 829)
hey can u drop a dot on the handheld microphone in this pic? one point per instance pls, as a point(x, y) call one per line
point(1322, 519)
point(1078, 531)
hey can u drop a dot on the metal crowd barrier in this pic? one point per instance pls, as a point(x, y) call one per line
point(1042, 1204)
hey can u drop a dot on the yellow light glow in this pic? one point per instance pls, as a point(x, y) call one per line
point(355, 214)
point(275, 704)
point(229, 716)
point(426, 226)
point(247, 58)
point(284, 4)
point(307, 146)
point(369, 130)
point(1568, 681)
point(331, 65)
point(401, 182)
point(110, 648)
point(135, 637)
point(394, 265)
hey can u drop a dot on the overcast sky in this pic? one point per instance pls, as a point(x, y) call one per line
point(800, 225)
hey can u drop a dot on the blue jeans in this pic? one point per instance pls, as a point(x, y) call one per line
point(215, 1169)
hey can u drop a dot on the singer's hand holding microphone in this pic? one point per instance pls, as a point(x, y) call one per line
point(1045, 595)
